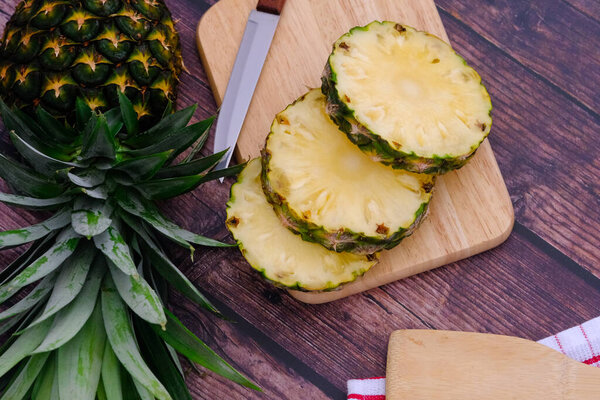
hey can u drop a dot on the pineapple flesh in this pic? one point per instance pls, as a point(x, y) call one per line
point(406, 98)
point(54, 51)
point(279, 255)
point(330, 192)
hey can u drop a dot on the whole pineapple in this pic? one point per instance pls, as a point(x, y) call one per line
point(94, 324)
point(54, 51)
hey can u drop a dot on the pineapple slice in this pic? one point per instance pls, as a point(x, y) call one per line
point(331, 193)
point(406, 98)
point(278, 254)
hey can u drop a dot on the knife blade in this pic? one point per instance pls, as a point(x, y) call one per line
point(249, 61)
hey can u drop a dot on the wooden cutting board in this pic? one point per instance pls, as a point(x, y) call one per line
point(471, 210)
point(444, 365)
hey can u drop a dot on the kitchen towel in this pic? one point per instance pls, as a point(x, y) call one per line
point(581, 343)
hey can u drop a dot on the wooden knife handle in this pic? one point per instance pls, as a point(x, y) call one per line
point(270, 6)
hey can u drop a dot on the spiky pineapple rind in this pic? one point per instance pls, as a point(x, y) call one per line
point(92, 49)
point(371, 143)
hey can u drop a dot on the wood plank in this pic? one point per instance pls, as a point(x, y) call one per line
point(549, 37)
point(276, 379)
point(591, 8)
point(546, 147)
point(515, 289)
point(470, 211)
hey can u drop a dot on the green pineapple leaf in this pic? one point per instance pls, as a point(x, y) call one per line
point(26, 128)
point(20, 386)
point(21, 321)
point(99, 192)
point(59, 132)
point(23, 346)
point(111, 374)
point(96, 171)
point(38, 294)
point(168, 109)
point(129, 115)
point(142, 391)
point(111, 243)
point(98, 140)
point(138, 295)
point(34, 251)
point(198, 146)
point(85, 349)
point(129, 390)
point(188, 344)
point(161, 263)
point(33, 203)
point(46, 385)
point(8, 324)
point(144, 167)
point(40, 162)
point(223, 173)
point(164, 128)
point(177, 141)
point(87, 178)
point(69, 282)
point(122, 340)
point(101, 391)
point(68, 321)
point(114, 121)
point(65, 246)
point(161, 361)
point(15, 237)
point(146, 210)
point(91, 217)
point(193, 167)
point(138, 207)
point(161, 189)
point(27, 181)
point(83, 113)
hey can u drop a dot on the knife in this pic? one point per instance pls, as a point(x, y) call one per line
point(249, 61)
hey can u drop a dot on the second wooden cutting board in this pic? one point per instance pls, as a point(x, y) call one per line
point(471, 210)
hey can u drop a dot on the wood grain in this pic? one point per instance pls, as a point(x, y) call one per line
point(276, 379)
point(470, 212)
point(445, 365)
point(526, 287)
point(590, 8)
point(535, 33)
point(546, 146)
point(492, 292)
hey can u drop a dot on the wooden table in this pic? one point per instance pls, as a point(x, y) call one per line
point(541, 64)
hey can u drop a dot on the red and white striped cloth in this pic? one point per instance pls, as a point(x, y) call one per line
point(581, 343)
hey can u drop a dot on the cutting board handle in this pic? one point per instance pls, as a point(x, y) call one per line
point(270, 6)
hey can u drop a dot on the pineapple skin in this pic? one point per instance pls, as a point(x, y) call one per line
point(374, 145)
point(53, 51)
point(343, 240)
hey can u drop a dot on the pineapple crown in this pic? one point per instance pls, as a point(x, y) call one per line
point(101, 273)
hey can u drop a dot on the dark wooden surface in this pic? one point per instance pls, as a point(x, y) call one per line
point(541, 64)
